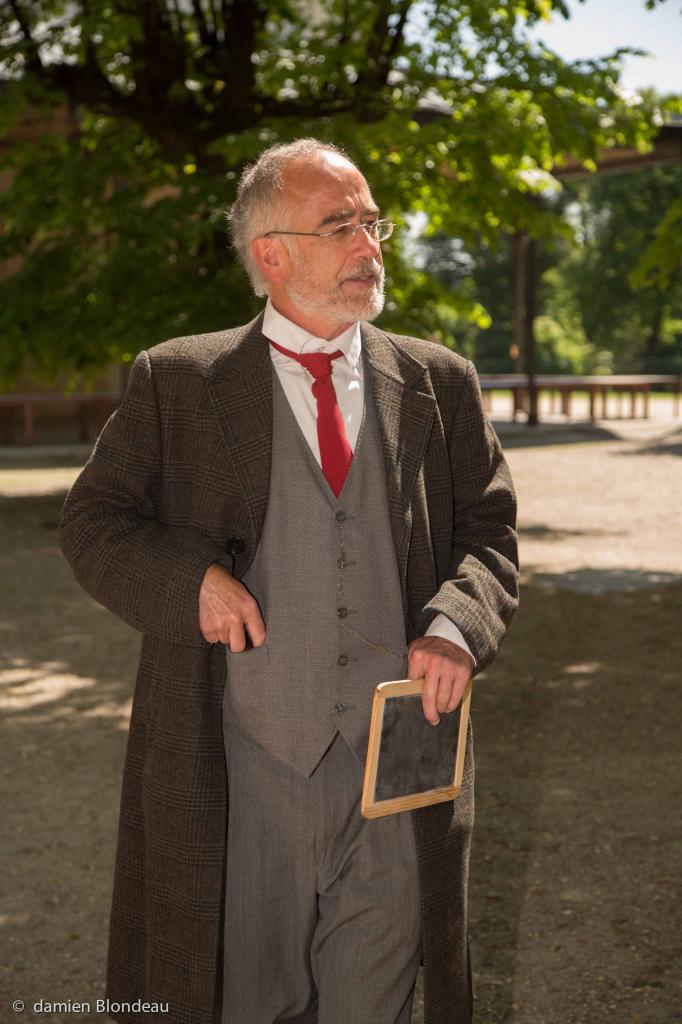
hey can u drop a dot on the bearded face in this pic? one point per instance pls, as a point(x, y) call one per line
point(355, 293)
point(320, 277)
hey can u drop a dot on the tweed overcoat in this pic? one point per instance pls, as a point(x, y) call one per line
point(178, 480)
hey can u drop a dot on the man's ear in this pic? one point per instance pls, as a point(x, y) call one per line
point(271, 258)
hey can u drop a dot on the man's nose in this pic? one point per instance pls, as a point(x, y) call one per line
point(364, 242)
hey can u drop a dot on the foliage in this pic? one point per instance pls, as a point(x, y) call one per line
point(619, 230)
point(661, 262)
point(113, 231)
point(599, 313)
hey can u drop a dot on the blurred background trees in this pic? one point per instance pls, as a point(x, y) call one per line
point(124, 125)
point(610, 283)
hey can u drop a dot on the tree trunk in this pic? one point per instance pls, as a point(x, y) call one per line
point(519, 299)
point(652, 345)
point(529, 333)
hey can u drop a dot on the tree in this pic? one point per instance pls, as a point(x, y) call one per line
point(609, 286)
point(113, 233)
point(660, 264)
point(619, 222)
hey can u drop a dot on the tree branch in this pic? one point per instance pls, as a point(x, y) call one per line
point(397, 37)
point(159, 60)
point(33, 59)
point(379, 31)
point(174, 8)
point(243, 20)
point(345, 25)
point(302, 109)
point(205, 35)
point(177, 121)
point(214, 18)
point(83, 83)
point(383, 44)
point(90, 50)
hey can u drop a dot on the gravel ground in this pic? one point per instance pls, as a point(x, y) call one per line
point(575, 892)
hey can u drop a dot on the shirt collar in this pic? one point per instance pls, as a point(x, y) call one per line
point(288, 334)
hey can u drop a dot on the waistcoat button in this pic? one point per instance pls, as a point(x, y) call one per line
point(342, 659)
point(342, 612)
point(340, 708)
point(340, 517)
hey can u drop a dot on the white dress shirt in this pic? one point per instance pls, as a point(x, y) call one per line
point(348, 379)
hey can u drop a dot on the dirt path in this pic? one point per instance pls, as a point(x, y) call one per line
point(575, 899)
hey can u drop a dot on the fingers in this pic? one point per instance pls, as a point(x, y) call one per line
point(420, 665)
point(228, 612)
point(456, 694)
point(236, 640)
point(430, 700)
point(256, 627)
point(442, 695)
point(439, 695)
point(235, 637)
point(445, 670)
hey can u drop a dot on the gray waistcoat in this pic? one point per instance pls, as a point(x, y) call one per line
point(325, 571)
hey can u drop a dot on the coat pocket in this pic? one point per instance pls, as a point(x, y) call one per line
point(244, 667)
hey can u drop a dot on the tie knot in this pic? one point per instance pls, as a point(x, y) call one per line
point(318, 364)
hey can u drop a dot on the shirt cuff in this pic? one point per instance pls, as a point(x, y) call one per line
point(444, 627)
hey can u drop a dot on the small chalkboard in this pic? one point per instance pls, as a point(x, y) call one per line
point(411, 763)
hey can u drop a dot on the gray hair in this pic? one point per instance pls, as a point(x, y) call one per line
point(259, 199)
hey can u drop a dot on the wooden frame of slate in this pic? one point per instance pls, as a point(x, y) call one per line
point(411, 763)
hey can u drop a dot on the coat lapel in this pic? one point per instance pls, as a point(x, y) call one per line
point(405, 405)
point(241, 390)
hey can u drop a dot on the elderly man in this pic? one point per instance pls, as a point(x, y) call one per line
point(281, 509)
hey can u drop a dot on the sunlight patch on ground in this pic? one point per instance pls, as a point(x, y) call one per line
point(18, 483)
point(111, 710)
point(28, 688)
point(583, 668)
point(31, 688)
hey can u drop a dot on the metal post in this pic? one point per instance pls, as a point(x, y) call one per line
point(519, 299)
point(529, 321)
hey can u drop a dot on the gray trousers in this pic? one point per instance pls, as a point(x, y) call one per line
point(322, 913)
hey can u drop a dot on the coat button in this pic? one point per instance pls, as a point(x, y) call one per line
point(342, 612)
point(235, 546)
point(342, 659)
point(340, 517)
point(340, 708)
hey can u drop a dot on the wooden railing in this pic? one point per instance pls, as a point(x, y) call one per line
point(84, 404)
point(564, 387)
point(97, 405)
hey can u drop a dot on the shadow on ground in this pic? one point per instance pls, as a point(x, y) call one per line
point(520, 435)
point(669, 443)
point(577, 860)
point(575, 893)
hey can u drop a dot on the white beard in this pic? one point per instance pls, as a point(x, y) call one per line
point(330, 304)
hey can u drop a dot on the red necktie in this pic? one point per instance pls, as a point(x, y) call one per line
point(335, 451)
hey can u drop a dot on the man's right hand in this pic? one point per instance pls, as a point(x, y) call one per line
point(227, 611)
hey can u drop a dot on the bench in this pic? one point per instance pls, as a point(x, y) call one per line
point(83, 403)
point(597, 387)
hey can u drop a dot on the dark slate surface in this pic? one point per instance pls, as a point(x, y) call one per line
point(413, 755)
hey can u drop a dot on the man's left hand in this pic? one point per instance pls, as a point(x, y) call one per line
point(446, 669)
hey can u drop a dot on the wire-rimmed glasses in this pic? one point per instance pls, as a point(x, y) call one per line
point(377, 230)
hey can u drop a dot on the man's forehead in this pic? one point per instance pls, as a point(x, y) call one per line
point(324, 172)
point(329, 183)
point(335, 160)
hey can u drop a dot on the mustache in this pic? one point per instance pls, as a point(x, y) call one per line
point(364, 268)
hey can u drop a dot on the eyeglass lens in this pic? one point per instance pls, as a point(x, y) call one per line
point(379, 231)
